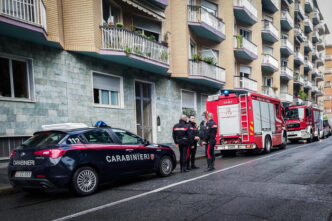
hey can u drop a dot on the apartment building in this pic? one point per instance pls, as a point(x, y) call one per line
point(138, 64)
point(328, 83)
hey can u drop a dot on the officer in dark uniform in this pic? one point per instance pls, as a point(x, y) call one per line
point(210, 141)
point(193, 139)
point(181, 139)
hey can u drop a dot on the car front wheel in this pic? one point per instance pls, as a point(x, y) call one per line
point(165, 166)
point(85, 181)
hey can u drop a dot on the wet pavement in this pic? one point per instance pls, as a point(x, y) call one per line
point(290, 184)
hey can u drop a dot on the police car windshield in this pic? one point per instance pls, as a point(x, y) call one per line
point(293, 114)
point(44, 139)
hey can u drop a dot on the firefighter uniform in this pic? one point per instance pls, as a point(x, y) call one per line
point(210, 139)
point(181, 137)
point(193, 132)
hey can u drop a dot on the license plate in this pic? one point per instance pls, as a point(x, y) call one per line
point(25, 174)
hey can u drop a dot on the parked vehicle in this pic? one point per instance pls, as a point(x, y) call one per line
point(326, 128)
point(247, 121)
point(303, 123)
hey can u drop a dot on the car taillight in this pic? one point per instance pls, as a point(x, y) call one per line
point(13, 154)
point(52, 153)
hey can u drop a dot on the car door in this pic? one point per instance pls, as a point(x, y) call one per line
point(141, 156)
point(106, 151)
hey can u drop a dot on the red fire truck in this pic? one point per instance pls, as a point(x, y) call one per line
point(247, 121)
point(303, 123)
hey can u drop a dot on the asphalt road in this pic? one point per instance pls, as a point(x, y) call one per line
point(290, 184)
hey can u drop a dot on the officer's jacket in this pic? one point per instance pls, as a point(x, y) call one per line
point(211, 131)
point(193, 132)
point(181, 132)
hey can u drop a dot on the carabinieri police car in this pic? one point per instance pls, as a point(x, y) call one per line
point(81, 157)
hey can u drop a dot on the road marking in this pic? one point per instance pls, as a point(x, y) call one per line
point(84, 212)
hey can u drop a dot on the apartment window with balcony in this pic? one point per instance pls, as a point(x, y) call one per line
point(111, 12)
point(245, 33)
point(245, 71)
point(268, 81)
point(211, 54)
point(284, 63)
point(284, 88)
point(188, 100)
point(16, 78)
point(284, 36)
point(192, 48)
point(210, 7)
point(268, 50)
point(107, 89)
point(268, 18)
point(147, 27)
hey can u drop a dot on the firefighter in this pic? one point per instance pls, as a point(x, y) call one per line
point(193, 139)
point(181, 140)
point(210, 141)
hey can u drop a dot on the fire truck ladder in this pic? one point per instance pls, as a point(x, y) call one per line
point(244, 118)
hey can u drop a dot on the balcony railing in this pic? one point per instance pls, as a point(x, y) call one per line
point(247, 5)
point(206, 70)
point(309, 5)
point(284, 97)
point(299, 56)
point(269, 60)
point(243, 43)
point(308, 44)
point(316, 16)
point(269, 27)
point(287, 17)
point(299, 79)
point(286, 72)
point(314, 88)
point(285, 43)
point(315, 35)
point(308, 64)
point(268, 91)
point(299, 33)
point(245, 83)
point(28, 11)
point(299, 9)
point(308, 23)
point(200, 14)
point(308, 84)
point(119, 39)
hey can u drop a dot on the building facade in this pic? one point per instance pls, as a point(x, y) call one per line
point(328, 83)
point(139, 64)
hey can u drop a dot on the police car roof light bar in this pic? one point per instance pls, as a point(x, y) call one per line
point(101, 123)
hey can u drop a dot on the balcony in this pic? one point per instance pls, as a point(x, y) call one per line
point(269, 63)
point(328, 71)
point(207, 74)
point(286, 47)
point(307, 84)
point(298, 80)
point(286, 98)
point(308, 66)
point(286, 21)
point(128, 48)
point(245, 83)
point(315, 36)
point(321, 28)
point(159, 3)
point(299, 34)
point(320, 76)
point(320, 61)
point(308, 46)
point(270, 5)
point(268, 91)
point(307, 103)
point(320, 45)
point(244, 49)
point(315, 17)
point(309, 6)
point(314, 89)
point(286, 73)
point(299, 10)
point(245, 11)
point(308, 26)
point(298, 58)
point(269, 32)
point(25, 20)
point(320, 91)
point(205, 25)
point(297, 101)
point(314, 54)
point(314, 72)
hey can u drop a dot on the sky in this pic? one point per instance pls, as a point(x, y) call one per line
point(325, 7)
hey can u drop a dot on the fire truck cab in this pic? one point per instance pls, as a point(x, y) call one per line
point(303, 123)
point(247, 121)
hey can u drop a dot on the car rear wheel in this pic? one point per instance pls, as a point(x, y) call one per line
point(85, 181)
point(165, 166)
point(267, 144)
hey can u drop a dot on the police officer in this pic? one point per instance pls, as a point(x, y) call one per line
point(181, 139)
point(210, 141)
point(193, 139)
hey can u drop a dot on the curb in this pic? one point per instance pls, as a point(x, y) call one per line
point(6, 190)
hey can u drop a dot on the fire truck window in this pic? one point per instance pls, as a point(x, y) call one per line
point(257, 116)
point(277, 110)
point(307, 112)
point(272, 118)
point(265, 116)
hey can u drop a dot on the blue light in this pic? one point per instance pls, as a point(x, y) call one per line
point(226, 92)
point(100, 124)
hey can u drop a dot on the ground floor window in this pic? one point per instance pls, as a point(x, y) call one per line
point(106, 89)
point(188, 99)
point(16, 77)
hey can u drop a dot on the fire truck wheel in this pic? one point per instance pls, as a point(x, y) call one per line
point(318, 137)
point(228, 153)
point(267, 144)
point(311, 138)
point(284, 141)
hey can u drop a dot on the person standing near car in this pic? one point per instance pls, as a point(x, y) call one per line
point(181, 139)
point(210, 141)
point(193, 139)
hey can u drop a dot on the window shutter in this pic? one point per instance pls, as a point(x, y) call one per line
point(149, 25)
point(188, 99)
point(104, 82)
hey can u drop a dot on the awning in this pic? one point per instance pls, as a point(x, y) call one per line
point(147, 8)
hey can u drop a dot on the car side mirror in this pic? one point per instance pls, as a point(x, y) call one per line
point(146, 142)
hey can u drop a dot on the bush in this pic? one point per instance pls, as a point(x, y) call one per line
point(119, 25)
point(209, 60)
point(189, 112)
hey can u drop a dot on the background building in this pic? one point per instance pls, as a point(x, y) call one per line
point(328, 83)
point(138, 64)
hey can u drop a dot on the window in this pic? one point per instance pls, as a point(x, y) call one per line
point(44, 139)
point(75, 139)
point(192, 49)
point(245, 71)
point(268, 50)
point(210, 53)
point(106, 89)
point(98, 137)
point(16, 78)
point(245, 33)
point(203, 102)
point(111, 13)
point(268, 18)
point(210, 7)
point(127, 137)
point(284, 63)
point(284, 36)
point(277, 110)
point(268, 81)
point(147, 27)
point(188, 100)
